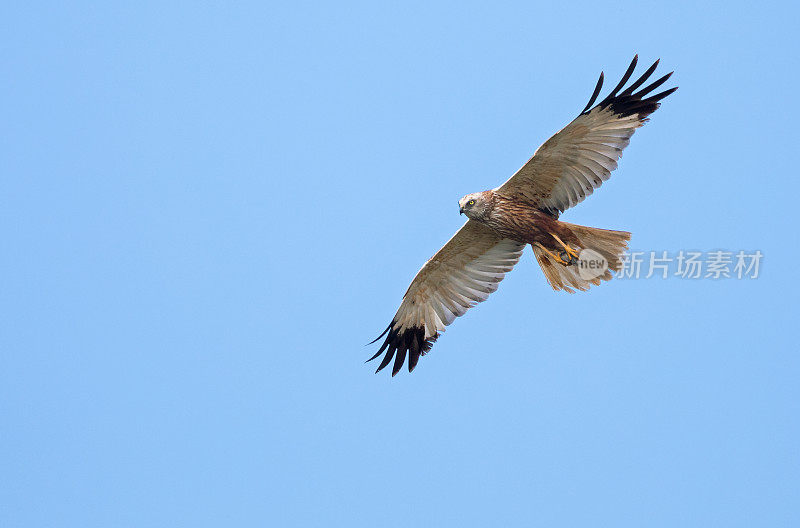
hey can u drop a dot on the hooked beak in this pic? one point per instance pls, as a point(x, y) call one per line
point(460, 210)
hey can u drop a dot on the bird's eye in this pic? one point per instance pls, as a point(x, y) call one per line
point(471, 202)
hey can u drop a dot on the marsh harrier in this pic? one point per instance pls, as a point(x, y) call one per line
point(524, 210)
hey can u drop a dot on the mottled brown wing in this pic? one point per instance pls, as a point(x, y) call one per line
point(569, 166)
point(461, 274)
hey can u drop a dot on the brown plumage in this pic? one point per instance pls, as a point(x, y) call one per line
point(524, 210)
point(516, 218)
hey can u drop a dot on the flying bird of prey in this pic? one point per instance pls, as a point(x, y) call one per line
point(524, 210)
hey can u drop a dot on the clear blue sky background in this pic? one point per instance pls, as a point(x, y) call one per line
point(208, 209)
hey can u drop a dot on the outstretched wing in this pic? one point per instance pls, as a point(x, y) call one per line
point(461, 274)
point(569, 166)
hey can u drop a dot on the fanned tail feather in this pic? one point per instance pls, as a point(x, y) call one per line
point(609, 244)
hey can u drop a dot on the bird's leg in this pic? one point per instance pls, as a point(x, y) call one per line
point(568, 255)
point(557, 258)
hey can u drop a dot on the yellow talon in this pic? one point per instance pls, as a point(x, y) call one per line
point(569, 251)
point(557, 258)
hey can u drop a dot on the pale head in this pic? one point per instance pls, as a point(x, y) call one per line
point(476, 205)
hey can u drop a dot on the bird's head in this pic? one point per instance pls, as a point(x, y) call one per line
point(476, 205)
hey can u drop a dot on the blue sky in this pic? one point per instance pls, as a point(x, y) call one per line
point(208, 209)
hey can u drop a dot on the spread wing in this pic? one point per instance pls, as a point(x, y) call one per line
point(578, 159)
point(461, 274)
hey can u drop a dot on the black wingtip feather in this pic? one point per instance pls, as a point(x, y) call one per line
point(595, 93)
point(380, 350)
point(629, 101)
point(652, 86)
point(413, 353)
point(387, 358)
point(398, 361)
point(380, 336)
point(640, 81)
point(622, 82)
point(409, 342)
point(413, 358)
point(660, 96)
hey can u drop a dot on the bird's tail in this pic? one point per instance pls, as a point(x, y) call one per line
point(600, 252)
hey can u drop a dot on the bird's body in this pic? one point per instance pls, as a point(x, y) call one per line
point(519, 219)
point(525, 211)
